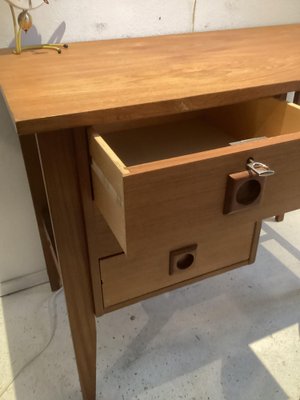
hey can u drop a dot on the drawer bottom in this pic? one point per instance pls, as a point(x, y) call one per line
point(126, 279)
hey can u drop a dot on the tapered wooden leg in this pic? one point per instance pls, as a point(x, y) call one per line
point(39, 198)
point(61, 180)
point(279, 218)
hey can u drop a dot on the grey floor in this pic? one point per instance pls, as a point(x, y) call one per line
point(234, 336)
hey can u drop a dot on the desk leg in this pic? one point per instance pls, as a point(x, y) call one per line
point(280, 217)
point(281, 97)
point(39, 198)
point(61, 180)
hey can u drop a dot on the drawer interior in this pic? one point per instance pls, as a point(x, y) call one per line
point(173, 139)
point(206, 130)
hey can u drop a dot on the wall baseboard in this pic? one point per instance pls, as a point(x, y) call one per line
point(23, 282)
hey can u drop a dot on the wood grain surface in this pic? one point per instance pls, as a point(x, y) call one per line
point(39, 198)
point(100, 240)
point(220, 245)
point(57, 153)
point(113, 80)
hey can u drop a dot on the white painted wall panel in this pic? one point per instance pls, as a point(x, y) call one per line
point(20, 248)
point(102, 19)
point(226, 14)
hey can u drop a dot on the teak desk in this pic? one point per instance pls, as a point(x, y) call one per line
point(135, 186)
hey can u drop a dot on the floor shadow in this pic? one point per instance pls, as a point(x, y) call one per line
point(233, 310)
point(194, 342)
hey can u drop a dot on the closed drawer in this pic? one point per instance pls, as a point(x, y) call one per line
point(215, 248)
point(158, 184)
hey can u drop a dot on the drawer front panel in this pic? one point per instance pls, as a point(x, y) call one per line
point(166, 204)
point(218, 246)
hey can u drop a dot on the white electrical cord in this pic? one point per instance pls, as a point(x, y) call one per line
point(53, 325)
point(194, 15)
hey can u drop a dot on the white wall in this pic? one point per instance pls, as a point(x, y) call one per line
point(20, 248)
point(77, 20)
point(103, 19)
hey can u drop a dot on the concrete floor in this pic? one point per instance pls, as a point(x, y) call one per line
point(234, 336)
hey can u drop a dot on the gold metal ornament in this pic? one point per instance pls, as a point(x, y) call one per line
point(24, 23)
point(25, 20)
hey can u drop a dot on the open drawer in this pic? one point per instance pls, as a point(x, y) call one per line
point(155, 183)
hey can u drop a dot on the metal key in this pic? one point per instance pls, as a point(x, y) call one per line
point(259, 168)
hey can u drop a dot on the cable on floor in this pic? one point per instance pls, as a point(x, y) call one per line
point(53, 325)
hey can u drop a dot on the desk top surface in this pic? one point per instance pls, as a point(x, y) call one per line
point(123, 79)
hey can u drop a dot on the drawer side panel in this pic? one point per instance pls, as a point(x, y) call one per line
point(111, 209)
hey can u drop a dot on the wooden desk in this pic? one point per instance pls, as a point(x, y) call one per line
point(164, 202)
